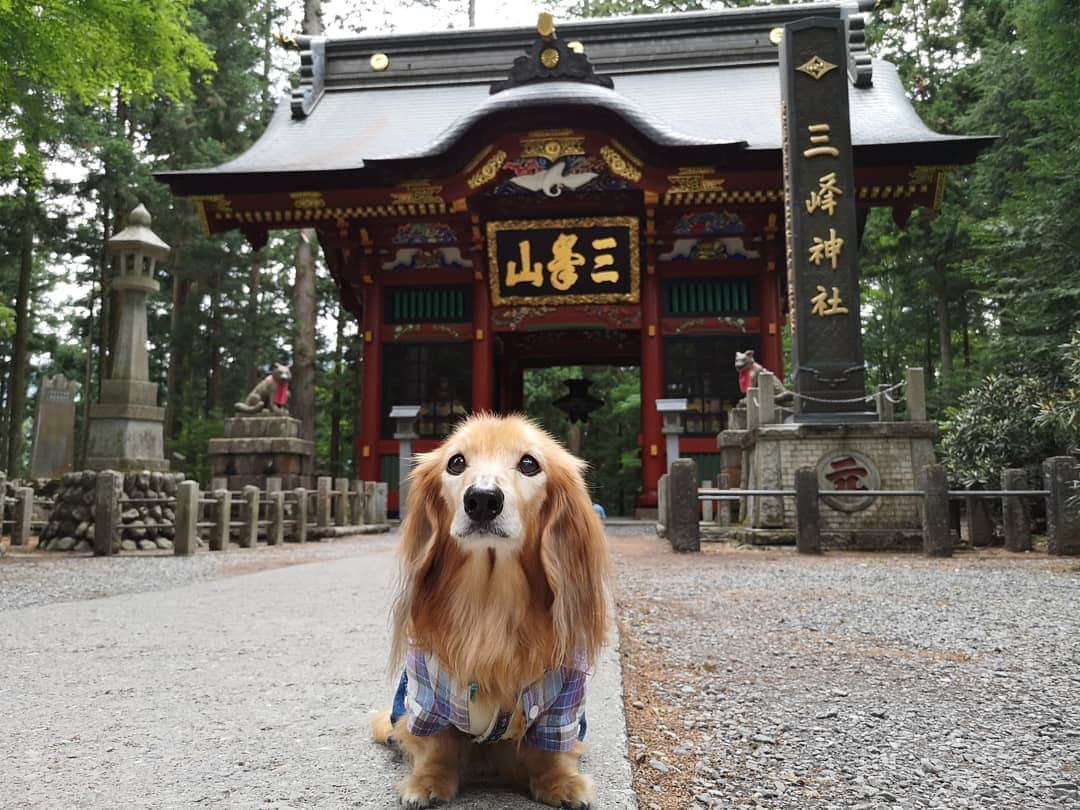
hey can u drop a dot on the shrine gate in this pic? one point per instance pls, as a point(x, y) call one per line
point(611, 193)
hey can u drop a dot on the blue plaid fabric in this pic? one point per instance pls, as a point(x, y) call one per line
point(433, 701)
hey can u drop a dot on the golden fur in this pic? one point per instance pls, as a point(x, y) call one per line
point(498, 610)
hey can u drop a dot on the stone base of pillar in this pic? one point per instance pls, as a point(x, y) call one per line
point(126, 437)
point(257, 448)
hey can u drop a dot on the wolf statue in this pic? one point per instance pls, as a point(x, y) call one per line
point(749, 369)
point(271, 396)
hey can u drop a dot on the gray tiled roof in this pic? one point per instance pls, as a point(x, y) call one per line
point(696, 80)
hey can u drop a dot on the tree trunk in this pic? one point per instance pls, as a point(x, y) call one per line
point(213, 348)
point(335, 394)
point(965, 329)
point(303, 359)
point(944, 324)
point(251, 356)
point(472, 13)
point(17, 388)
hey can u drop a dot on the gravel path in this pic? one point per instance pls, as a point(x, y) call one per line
point(766, 679)
point(172, 683)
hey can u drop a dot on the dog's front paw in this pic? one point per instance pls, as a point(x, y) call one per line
point(573, 791)
point(417, 792)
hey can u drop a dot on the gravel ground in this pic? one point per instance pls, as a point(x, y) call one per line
point(766, 679)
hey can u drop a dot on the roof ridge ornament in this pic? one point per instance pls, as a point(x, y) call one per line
point(312, 72)
point(551, 59)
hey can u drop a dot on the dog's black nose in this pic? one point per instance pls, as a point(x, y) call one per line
point(483, 505)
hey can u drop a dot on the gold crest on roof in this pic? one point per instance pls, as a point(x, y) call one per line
point(545, 25)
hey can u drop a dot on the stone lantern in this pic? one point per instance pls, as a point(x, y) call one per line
point(126, 426)
point(405, 417)
point(672, 410)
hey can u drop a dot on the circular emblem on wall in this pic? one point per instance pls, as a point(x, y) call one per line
point(847, 471)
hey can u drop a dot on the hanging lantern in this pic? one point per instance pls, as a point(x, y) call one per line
point(579, 403)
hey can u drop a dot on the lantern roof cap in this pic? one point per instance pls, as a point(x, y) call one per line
point(138, 238)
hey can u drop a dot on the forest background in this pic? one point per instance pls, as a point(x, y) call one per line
point(98, 94)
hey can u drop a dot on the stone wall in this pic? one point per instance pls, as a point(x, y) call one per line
point(898, 450)
point(146, 510)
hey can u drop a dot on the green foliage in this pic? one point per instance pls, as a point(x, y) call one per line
point(996, 426)
point(81, 49)
point(187, 450)
point(608, 439)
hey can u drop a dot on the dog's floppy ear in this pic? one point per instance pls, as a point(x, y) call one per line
point(426, 523)
point(573, 552)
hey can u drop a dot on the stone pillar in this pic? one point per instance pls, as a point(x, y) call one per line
point(1062, 508)
point(405, 434)
point(753, 411)
point(707, 511)
point(382, 494)
point(249, 534)
point(766, 384)
point(915, 391)
point(273, 483)
point(107, 512)
point(187, 518)
point(663, 516)
point(301, 516)
point(884, 404)
point(1015, 512)
point(126, 425)
point(683, 531)
point(937, 536)
point(219, 534)
point(22, 516)
point(341, 502)
point(723, 508)
point(980, 526)
point(53, 452)
point(323, 485)
point(275, 530)
point(807, 511)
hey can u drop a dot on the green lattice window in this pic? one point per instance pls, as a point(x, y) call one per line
point(714, 296)
point(428, 305)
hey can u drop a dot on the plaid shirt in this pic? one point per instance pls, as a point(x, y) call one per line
point(552, 706)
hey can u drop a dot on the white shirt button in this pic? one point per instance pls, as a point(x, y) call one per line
point(534, 712)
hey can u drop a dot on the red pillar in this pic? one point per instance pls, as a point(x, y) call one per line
point(772, 339)
point(483, 347)
point(371, 418)
point(652, 382)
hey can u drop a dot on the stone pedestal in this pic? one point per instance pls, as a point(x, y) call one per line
point(256, 448)
point(858, 455)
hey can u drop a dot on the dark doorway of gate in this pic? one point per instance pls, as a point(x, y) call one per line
point(608, 440)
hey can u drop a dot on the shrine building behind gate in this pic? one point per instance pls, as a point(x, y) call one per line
point(611, 193)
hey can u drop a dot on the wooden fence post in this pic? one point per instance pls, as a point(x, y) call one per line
point(937, 533)
point(807, 511)
point(22, 516)
point(187, 518)
point(249, 535)
point(341, 502)
point(221, 530)
point(1062, 505)
point(323, 487)
point(1015, 511)
point(275, 531)
point(300, 515)
point(107, 512)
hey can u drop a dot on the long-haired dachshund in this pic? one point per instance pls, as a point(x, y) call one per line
point(501, 610)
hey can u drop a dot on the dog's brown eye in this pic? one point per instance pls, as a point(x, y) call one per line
point(528, 466)
point(456, 465)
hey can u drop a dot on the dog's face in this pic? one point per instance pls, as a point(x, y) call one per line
point(494, 481)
